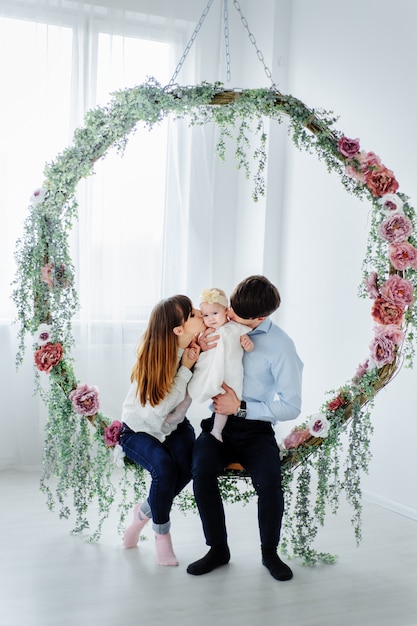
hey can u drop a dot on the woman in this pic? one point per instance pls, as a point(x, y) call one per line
point(155, 432)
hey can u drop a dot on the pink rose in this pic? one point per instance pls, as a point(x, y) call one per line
point(382, 350)
point(296, 437)
point(348, 147)
point(112, 434)
point(371, 283)
point(396, 228)
point(391, 332)
point(48, 356)
point(85, 400)
point(403, 256)
point(385, 312)
point(381, 181)
point(398, 290)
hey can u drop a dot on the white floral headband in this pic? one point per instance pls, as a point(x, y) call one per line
point(213, 296)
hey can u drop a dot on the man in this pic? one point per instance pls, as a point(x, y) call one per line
point(271, 393)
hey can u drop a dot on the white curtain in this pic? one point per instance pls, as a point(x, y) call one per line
point(167, 217)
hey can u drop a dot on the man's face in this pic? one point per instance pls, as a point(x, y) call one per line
point(251, 323)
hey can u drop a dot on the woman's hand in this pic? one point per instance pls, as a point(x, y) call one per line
point(207, 340)
point(190, 355)
point(226, 403)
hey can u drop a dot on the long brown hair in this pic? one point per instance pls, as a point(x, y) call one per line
point(157, 354)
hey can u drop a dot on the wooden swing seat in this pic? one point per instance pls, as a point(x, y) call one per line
point(234, 469)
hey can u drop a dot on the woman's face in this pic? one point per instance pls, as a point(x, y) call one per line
point(192, 326)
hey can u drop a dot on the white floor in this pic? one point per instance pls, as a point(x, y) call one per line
point(52, 578)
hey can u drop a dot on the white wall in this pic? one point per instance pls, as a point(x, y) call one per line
point(358, 59)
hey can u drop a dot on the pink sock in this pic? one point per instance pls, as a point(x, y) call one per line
point(164, 550)
point(132, 532)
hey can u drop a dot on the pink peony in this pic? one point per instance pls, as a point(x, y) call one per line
point(368, 161)
point(348, 147)
point(382, 350)
point(398, 290)
point(391, 332)
point(385, 312)
point(371, 283)
point(297, 436)
point(363, 163)
point(396, 228)
point(381, 181)
point(355, 173)
point(85, 400)
point(403, 256)
point(48, 356)
point(112, 434)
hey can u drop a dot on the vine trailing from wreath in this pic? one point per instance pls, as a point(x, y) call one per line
point(80, 459)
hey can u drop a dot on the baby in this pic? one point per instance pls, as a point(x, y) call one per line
point(222, 364)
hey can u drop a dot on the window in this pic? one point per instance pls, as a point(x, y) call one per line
point(72, 60)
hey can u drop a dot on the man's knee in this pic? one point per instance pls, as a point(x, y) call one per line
point(206, 459)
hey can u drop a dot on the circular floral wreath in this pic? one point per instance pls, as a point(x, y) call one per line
point(77, 456)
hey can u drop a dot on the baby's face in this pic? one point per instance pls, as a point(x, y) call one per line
point(214, 315)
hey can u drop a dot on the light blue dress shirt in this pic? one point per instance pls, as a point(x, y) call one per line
point(272, 375)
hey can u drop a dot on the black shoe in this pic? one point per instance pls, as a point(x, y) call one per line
point(277, 568)
point(215, 557)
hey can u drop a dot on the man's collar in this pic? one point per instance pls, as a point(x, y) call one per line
point(262, 328)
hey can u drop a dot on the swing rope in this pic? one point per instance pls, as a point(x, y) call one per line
point(226, 43)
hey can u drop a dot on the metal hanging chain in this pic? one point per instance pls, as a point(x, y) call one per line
point(253, 41)
point(190, 43)
point(226, 39)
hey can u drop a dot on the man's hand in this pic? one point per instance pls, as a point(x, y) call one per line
point(207, 340)
point(226, 403)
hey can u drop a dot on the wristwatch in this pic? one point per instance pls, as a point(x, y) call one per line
point(241, 412)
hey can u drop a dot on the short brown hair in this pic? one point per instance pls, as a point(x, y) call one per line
point(254, 297)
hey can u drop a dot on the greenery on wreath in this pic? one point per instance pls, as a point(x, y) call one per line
point(79, 460)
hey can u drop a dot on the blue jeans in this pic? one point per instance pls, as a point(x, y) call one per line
point(169, 464)
point(251, 443)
